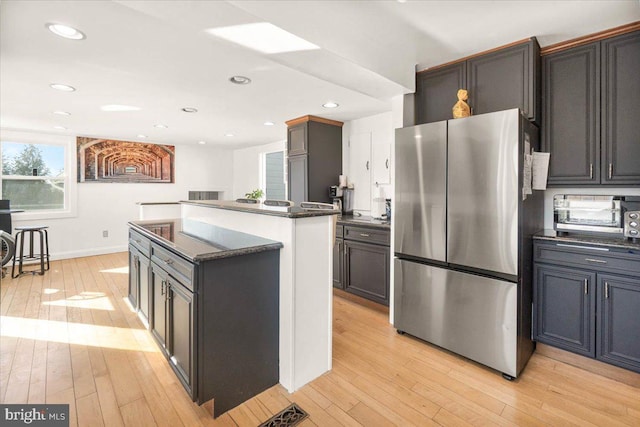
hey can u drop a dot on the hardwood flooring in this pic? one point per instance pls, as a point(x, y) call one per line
point(70, 337)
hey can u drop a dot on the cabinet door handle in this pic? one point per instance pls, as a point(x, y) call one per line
point(586, 286)
point(386, 163)
point(599, 261)
point(367, 165)
point(364, 234)
point(606, 289)
point(162, 287)
point(610, 170)
point(591, 171)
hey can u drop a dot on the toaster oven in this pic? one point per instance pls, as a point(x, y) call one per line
point(588, 214)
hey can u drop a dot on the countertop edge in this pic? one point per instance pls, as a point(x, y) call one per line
point(204, 256)
point(249, 209)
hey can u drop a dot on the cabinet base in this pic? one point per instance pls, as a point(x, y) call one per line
point(592, 365)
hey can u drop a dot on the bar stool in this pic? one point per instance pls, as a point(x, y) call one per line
point(44, 249)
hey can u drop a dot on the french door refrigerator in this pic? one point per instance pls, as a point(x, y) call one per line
point(462, 236)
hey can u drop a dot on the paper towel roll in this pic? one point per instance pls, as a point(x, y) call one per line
point(343, 181)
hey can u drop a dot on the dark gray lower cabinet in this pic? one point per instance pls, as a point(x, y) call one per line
point(361, 260)
point(338, 264)
point(139, 282)
point(367, 270)
point(619, 320)
point(172, 323)
point(587, 300)
point(566, 306)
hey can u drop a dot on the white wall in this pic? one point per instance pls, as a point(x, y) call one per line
point(247, 167)
point(109, 206)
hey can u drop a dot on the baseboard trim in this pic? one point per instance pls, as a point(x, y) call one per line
point(362, 301)
point(88, 252)
point(592, 365)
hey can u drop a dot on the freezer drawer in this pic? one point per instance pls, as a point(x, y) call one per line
point(470, 315)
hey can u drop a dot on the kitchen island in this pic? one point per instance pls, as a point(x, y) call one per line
point(209, 296)
point(306, 260)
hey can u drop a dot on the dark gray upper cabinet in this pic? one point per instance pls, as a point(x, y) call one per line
point(504, 79)
point(319, 142)
point(590, 113)
point(570, 115)
point(620, 110)
point(436, 91)
point(500, 80)
point(297, 140)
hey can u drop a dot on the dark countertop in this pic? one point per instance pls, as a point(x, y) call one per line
point(614, 242)
point(364, 221)
point(157, 203)
point(259, 208)
point(199, 241)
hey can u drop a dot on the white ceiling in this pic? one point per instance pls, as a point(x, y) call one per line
point(157, 55)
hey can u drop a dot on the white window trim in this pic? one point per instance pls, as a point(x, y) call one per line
point(70, 175)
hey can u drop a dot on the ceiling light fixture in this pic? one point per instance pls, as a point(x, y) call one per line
point(60, 86)
point(60, 127)
point(142, 136)
point(116, 107)
point(202, 142)
point(263, 37)
point(190, 110)
point(61, 113)
point(330, 105)
point(268, 123)
point(65, 31)
point(160, 126)
point(229, 134)
point(240, 80)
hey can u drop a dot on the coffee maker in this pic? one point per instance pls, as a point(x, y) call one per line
point(335, 193)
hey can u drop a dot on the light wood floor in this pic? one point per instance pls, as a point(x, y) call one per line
point(70, 337)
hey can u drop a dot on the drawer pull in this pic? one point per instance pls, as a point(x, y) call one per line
point(582, 247)
point(137, 241)
point(599, 261)
point(610, 170)
point(591, 171)
point(168, 261)
point(586, 286)
point(364, 234)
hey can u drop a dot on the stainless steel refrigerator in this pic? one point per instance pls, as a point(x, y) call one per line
point(462, 236)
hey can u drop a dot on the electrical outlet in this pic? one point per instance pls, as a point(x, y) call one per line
point(105, 233)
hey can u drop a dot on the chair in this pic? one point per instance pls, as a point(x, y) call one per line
point(42, 256)
point(5, 218)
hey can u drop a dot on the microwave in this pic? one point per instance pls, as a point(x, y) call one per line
point(599, 214)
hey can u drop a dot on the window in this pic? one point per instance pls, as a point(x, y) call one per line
point(274, 176)
point(35, 174)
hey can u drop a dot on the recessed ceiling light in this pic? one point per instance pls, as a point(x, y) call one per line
point(65, 31)
point(142, 136)
point(60, 127)
point(116, 107)
point(61, 113)
point(240, 80)
point(64, 88)
point(159, 126)
point(229, 134)
point(202, 142)
point(190, 110)
point(268, 123)
point(263, 37)
point(330, 105)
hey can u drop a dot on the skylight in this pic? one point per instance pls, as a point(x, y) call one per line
point(263, 37)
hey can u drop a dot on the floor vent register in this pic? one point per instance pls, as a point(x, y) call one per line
point(288, 417)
